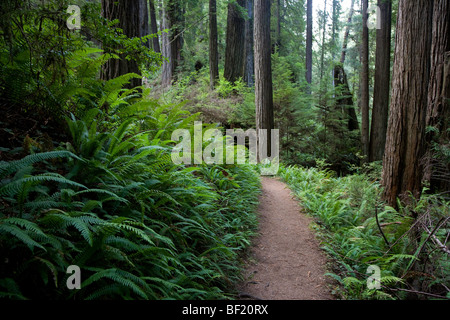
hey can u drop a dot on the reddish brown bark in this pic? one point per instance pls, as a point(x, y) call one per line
point(234, 51)
point(402, 168)
point(380, 108)
point(365, 82)
point(263, 68)
point(131, 21)
point(437, 170)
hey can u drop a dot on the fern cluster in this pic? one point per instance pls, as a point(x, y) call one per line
point(112, 202)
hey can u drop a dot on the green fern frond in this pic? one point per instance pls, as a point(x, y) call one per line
point(140, 108)
point(400, 257)
point(103, 191)
point(107, 292)
point(390, 280)
point(121, 277)
point(114, 92)
point(20, 234)
point(16, 186)
point(151, 192)
point(123, 243)
point(63, 220)
point(51, 267)
point(26, 224)
point(12, 289)
point(166, 287)
point(116, 144)
point(126, 227)
point(380, 295)
point(36, 205)
point(352, 282)
point(7, 168)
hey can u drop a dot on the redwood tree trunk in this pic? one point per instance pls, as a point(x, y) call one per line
point(402, 167)
point(324, 30)
point(365, 82)
point(263, 69)
point(382, 83)
point(309, 38)
point(166, 50)
point(213, 50)
point(249, 62)
point(437, 171)
point(144, 21)
point(234, 52)
point(173, 20)
point(129, 14)
point(278, 27)
point(154, 27)
point(346, 34)
point(344, 101)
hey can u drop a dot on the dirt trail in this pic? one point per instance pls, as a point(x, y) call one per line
point(285, 260)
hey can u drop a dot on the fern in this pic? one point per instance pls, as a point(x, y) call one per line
point(12, 289)
point(52, 268)
point(113, 92)
point(21, 235)
point(64, 220)
point(116, 145)
point(26, 224)
point(127, 226)
point(121, 277)
point(13, 166)
point(169, 231)
point(16, 186)
point(113, 196)
point(123, 243)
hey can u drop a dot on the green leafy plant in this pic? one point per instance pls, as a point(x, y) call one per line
point(113, 203)
point(357, 232)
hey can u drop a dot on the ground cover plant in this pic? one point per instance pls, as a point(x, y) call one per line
point(357, 231)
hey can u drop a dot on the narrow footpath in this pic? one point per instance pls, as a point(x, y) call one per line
point(285, 260)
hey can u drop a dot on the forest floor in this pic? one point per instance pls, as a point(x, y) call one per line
point(285, 261)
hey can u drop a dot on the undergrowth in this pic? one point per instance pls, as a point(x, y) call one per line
point(358, 231)
point(111, 201)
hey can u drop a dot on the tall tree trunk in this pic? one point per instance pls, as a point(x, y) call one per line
point(173, 20)
point(402, 168)
point(263, 70)
point(334, 28)
point(144, 21)
point(437, 172)
point(249, 63)
point(380, 108)
point(154, 27)
point(175, 12)
point(278, 27)
point(347, 32)
point(129, 14)
point(309, 38)
point(365, 82)
point(234, 51)
point(324, 27)
point(344, 101)
point(166, 48)
point(213, 49)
